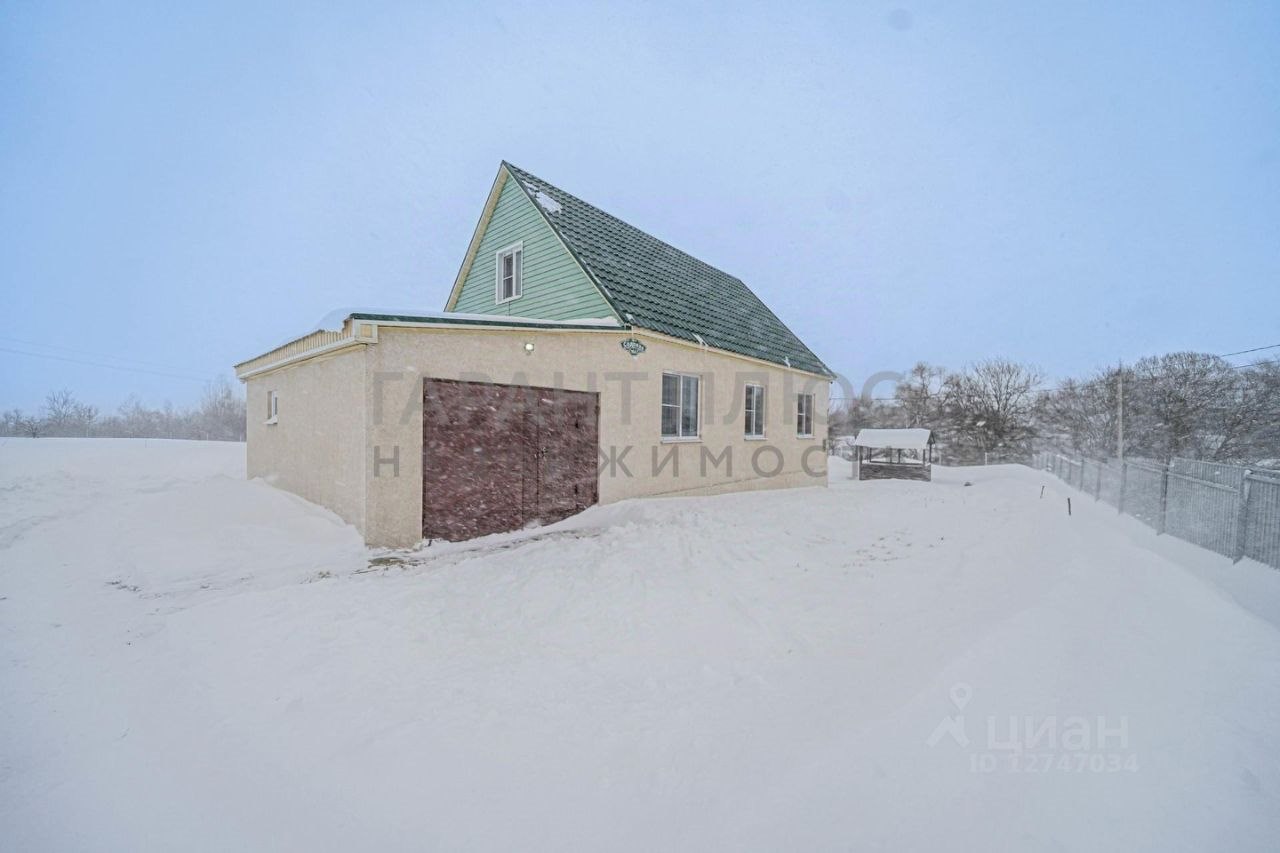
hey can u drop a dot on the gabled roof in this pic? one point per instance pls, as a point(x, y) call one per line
point(897, 439)
point(655, 286)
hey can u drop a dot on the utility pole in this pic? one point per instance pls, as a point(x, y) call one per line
point(1120, 413)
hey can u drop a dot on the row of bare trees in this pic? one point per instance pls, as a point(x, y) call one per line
point(219, 416)
point(1193, 405)
point(1182, 404)
point(984, 412)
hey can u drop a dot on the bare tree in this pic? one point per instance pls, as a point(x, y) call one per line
point(221, 415)
point(17, 422)
point(64, 415)
point(1260, 398)
point(838, 417)
point(920, 396)
point(32, 427)
point(1250, 421)
point(59, 408)
point(1081, 415)
point(846, 417)
point(991, 408)
point(1185, 404)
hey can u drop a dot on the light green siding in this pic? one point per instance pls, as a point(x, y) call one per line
point(554, 286)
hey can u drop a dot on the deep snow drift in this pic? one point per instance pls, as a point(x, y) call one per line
point(192, 661)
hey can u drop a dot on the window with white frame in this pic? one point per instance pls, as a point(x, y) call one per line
point(273, 407)
point(679, 405)
point(804, 415)
point(754, 426)
point(509, 273)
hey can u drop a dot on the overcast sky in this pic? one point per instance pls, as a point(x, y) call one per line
point(1066, 184)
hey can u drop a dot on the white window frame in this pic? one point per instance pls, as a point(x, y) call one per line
point(758, 409)
point(804, 420)
point(517, 284)
point(681, 435)
point(273, 407)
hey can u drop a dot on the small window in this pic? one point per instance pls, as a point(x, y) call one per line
point(510, 272)
point(804, 415)
point(273, 407)
point(679, 406)
point(754, 426)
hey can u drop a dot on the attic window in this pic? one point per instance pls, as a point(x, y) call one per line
point(510, 263)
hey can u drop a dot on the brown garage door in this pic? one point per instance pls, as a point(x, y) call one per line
point(498, 457)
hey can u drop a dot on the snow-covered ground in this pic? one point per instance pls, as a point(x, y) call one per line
point(193, 661)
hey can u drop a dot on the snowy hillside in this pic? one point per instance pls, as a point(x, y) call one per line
point(192, 661)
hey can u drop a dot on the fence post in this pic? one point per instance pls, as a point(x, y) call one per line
point(1124, 478)
point(1164, 498)
point(1242, 518)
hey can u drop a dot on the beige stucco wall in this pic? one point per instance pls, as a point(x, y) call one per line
point(586, 361)
point(316, 448)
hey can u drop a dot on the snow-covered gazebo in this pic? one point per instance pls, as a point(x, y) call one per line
point(894, 454)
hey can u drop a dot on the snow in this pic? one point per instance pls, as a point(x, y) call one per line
point(195, 661)
point(546, 202)
point(898, 439)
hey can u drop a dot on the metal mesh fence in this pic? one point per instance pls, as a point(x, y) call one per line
point(1262, 520)
point(1225, 508)
point(1212, 472)
point(1144, 495)
point(1202, 512)
point(1089, 471)
point(1109, 486)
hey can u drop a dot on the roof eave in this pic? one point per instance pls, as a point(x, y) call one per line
point(491, 202)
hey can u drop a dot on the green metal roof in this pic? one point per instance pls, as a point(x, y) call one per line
point(655, 286)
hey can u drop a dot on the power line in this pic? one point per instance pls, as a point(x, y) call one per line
point(96, 355)
point(1243, 351)
point(103, 364)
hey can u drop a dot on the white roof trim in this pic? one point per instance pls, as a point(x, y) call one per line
point(337, 318)
point(284, 361)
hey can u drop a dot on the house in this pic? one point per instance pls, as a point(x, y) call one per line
point(578, 361)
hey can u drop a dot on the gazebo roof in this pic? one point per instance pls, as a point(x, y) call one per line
point(897, 439)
